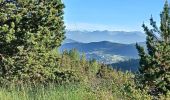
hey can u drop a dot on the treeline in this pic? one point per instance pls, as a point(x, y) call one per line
point(131, 65)
point(97, 77)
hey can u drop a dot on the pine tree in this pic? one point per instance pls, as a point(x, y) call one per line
point(74, 54)
point(94, 67)
point(154, 71)
point(30, 33)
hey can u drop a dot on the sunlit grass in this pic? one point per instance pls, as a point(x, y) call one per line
point(52, 92)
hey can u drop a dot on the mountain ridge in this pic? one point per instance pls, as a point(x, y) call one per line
point(127, 50)
point(112, 36)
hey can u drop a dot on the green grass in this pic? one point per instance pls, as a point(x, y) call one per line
point(119, 87)
point(69, 92)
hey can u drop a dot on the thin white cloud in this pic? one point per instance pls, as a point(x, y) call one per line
point(100, 27)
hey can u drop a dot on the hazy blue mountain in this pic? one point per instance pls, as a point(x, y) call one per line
point(112, 36)
point(69, 41)
point(104, 51)
point(104, 47)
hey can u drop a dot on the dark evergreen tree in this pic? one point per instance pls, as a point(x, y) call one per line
point(154, 71)
point(30, 33)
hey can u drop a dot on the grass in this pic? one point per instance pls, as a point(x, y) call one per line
point(69, 92)
point(119, 87)
point(52, 92)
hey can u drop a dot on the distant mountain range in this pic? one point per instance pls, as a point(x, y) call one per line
point(116, 48)
point(112, 36)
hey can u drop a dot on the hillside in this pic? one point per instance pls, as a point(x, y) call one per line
point(105, 47)
point(104, 51)
point(129, 65)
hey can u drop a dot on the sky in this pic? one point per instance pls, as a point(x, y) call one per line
point(112, 15)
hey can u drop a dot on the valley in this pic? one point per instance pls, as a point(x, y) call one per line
point(120, 56)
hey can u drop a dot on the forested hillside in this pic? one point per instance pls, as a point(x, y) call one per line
point(105, 47)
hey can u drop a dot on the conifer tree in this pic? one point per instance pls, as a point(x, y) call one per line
point(30, 33)
point(154, 71)
point(94, 67)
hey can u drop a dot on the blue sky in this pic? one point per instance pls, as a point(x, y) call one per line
point(114, 15)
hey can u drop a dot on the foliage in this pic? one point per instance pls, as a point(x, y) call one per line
point(30, 33)
point(81, 68)
point(154, 71)
point(130, 65)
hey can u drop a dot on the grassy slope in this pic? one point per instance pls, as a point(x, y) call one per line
point(121, 87)
point(70, 92)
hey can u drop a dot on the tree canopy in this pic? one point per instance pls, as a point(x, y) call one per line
point(30, 33)
point(154, 71)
